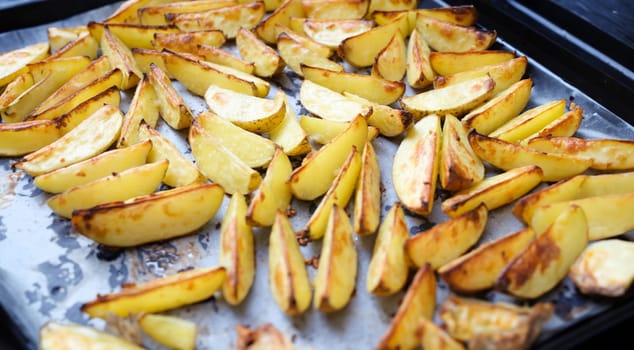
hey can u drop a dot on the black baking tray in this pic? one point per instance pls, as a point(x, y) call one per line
point(528, 26)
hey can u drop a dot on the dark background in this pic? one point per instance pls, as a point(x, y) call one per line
point(588, 43)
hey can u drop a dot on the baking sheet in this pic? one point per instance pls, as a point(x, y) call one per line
point(47, 271)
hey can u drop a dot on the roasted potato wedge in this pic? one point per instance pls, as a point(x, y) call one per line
point(335, 9)
point(128, 10)
point(329, 104)
point(15, 88)
point(446, 36)
point(143, 219)
point(171, 331)
point(323, 131)
point(391, 62)
point(367, 197)
point(144, 57)
point(566, 125)
point(494, 191)
point(60, 36)
point(161, 294)
point(133, 35)
point(547, 259)
point(530, 121)
point(289, 134)
point(262, 337)
point(154, 14)
point(172, 108)
point(267, 61)
point(319, 49)
point(83, 45)
point(21, 138)
point(267, 30)
point(382, 6)
point(478, 269)
point(69, 120)
point(120, 57)
point(55, 335)
point(143, 107)
point(432, 336)
point(606, 154)
point(463, 15)
point(390, 121)
point(419, 71)
point(188, 41)
point(448, 63)
point(224, 58)
point(460, 167)
point(415, 166)
point(332, 32)
point(228, 19)
point(295, 54)
point(337, 269)
point(15, 62)
point(274, 192)
point(361, 49)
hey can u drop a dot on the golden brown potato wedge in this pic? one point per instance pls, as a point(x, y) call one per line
point(14, 62)
point(21, 138)
point(15, 88)
point(604, 268)
point(391, 62)
point(390, 6)
point(478, 269)
point(305, 41)
point(456, 99)
point(129, 183)
point(460, 167)
point(222, 57)
point(606, 154)
point(143, 219)
point(288, 278)
point(361, 49)
point(60, 36)
point(547, 259)
point(447, 240)
point(432, 336)
point(120, 57)
point(68, 121)
point(78, 144)
point(188, 41)
point(329, 104)
point(367, 198)
point(530, 121)
point(128, 10)
point(504, 74)
point(262, 337)
point(415, 167)
point(251, 113)
point(83, 45)
point(266, 29)
point(322, 131)
point(289, 134)
point(337, 270)
point(505, 155)
point(237, 251)
point(566, 125)
point(373, 88)
point(419, 302)
point(155, 14)
point(314, 177)
point(446, 36)
point(228, 19)
point(390, 121)
point(295, 54)
point(332, 32)
point(335, 9)
point(266, 60)
point(463, 15)
point(55, 335)
point(172, 107)
point(487, 325)
point(171, 331)
point(144, 57)
point(161, 294)
point(419, 71)
point(448, 63)
point(133, 35)
point(99, 166)
point(143, 107)
point(494, 191)
point(503, 107)
point(339, 194)
point(388, 269)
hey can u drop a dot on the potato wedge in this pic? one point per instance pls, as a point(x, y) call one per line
point(360, 50)
point(172, 107)
point(262, 337)
point(55, 335)
point(530, 121)
point(99, 166)
point(253, 149)
point(143, 219)
point(432, 336)
point(289, 134)
point(506, 156)
point(606, 154)
point(267, 61)
point(288, 278)
point(14, 62)
point(128, 10)
point(446, 36)
point(503, 107)
point(419, 71)
point(456, 99)
point(251, 113)
point(15, 88)
point(448, 63)
point(188, 41)
point(415, 166)
point(83, 45)
point(129, 183)
point(60, 36)
point(228, 19)
point(419, 302)
point(604, 268)
point(447, 240)
point(335, 9)
point(494, 191)
point(566, 125)
point(219, 56)
point(460, 167)
point(274, 192)
point(78, 144)
point(68, 121)
point(317, 48)
point(373, 88)
point(296, 54)
point(181, 170)
point(367, 197)
point(504, 74)
point(332, 32)
point(329, 104)
point(21, 138)
point(391, 62)
point(120, 57)
point(487, 325)
point(171, 331)
point(462, 15)
point(547, 259)
point(337, 270)
point(155, 14)
point(144, 57)
point(390, 6)
point(314, 177)
point(339, 194)
point(161, 294)
point(390, 121)
point(266, 29)
point(603, 220)
point(219, 164)
point(477, 270)
point(143, 107)
point(388, 269)
point(237, 251)
point(133, 35)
